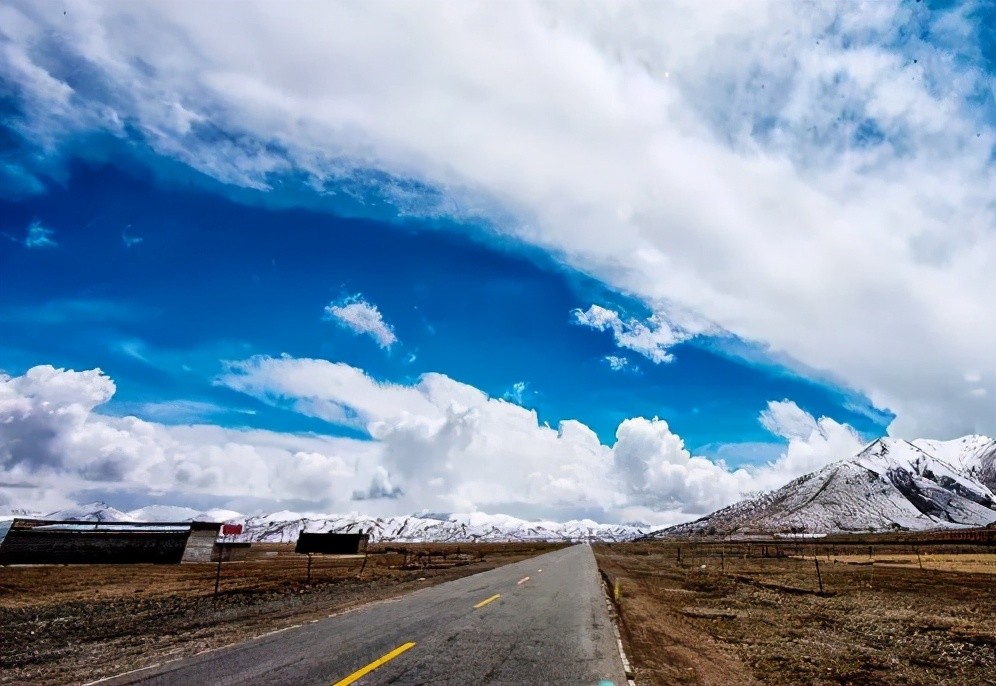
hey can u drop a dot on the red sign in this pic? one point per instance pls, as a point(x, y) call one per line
point(231, 529)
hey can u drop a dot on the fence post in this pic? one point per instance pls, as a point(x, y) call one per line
point(309, 568)
point(819, 577)
point(918, 560)
point(217, 576)
point(722, 560)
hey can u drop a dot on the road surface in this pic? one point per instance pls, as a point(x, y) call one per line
point(497, 627)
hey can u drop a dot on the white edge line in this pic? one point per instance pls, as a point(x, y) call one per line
point(268, 633)
point(130, 671)
point(627, 668)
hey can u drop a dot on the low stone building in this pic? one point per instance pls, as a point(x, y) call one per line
point(39, 541)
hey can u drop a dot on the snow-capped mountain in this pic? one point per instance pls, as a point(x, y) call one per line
point(172, 513)
point(91, 512)
point(285, 526)
point(456, 528)
point(891, 484)
point(102, 512)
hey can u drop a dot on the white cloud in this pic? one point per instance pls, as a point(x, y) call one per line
point(817, 177)
point(183, 411)
point(446, 445)
point(444, 437)
point(362, 318)
point(616, 363)
point(55, 443)
point(131, 241)
point(516, 393)
point(651, 339)
point(439, 445)
point(813, 443)
point(663, 475)
point(786, 419)
point(333, 391)
point(38, 236)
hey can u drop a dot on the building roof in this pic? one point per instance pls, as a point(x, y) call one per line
point(79, 525)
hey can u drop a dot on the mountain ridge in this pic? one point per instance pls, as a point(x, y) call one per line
point(889, 485)
point(285, 526)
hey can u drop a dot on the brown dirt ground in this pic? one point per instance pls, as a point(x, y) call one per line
point(77, 623)
point(764, 621)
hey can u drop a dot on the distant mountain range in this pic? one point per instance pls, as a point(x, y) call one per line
point(285, 526)
point(890, 485)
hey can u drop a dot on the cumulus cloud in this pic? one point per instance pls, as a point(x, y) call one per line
point(438, 444)
point(446, 444)
point(42, 410)
point(817, 177)
point(361, 317)
point(812, 443)
point(616, 363)
point(53, 438)
point(380, 487)
point(440, 436)
point(663, 475)
point(650, 339)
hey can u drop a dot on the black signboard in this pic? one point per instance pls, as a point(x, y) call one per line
point(332, 544)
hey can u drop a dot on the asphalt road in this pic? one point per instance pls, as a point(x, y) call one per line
point(550, 629)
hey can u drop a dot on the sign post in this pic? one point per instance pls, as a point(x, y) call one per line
point(345, 545)
point(227, 530)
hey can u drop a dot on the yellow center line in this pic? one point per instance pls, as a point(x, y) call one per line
point(374, 665)
point(484, 602)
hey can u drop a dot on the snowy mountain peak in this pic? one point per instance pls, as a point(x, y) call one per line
point(890, 484)
point(98, 511)
point(455, 528)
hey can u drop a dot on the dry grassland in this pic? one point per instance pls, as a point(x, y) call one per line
point(723, 617)
point(980, 563)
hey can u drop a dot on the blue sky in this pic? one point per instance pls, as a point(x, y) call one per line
point(769, 226)
point(158, 282)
